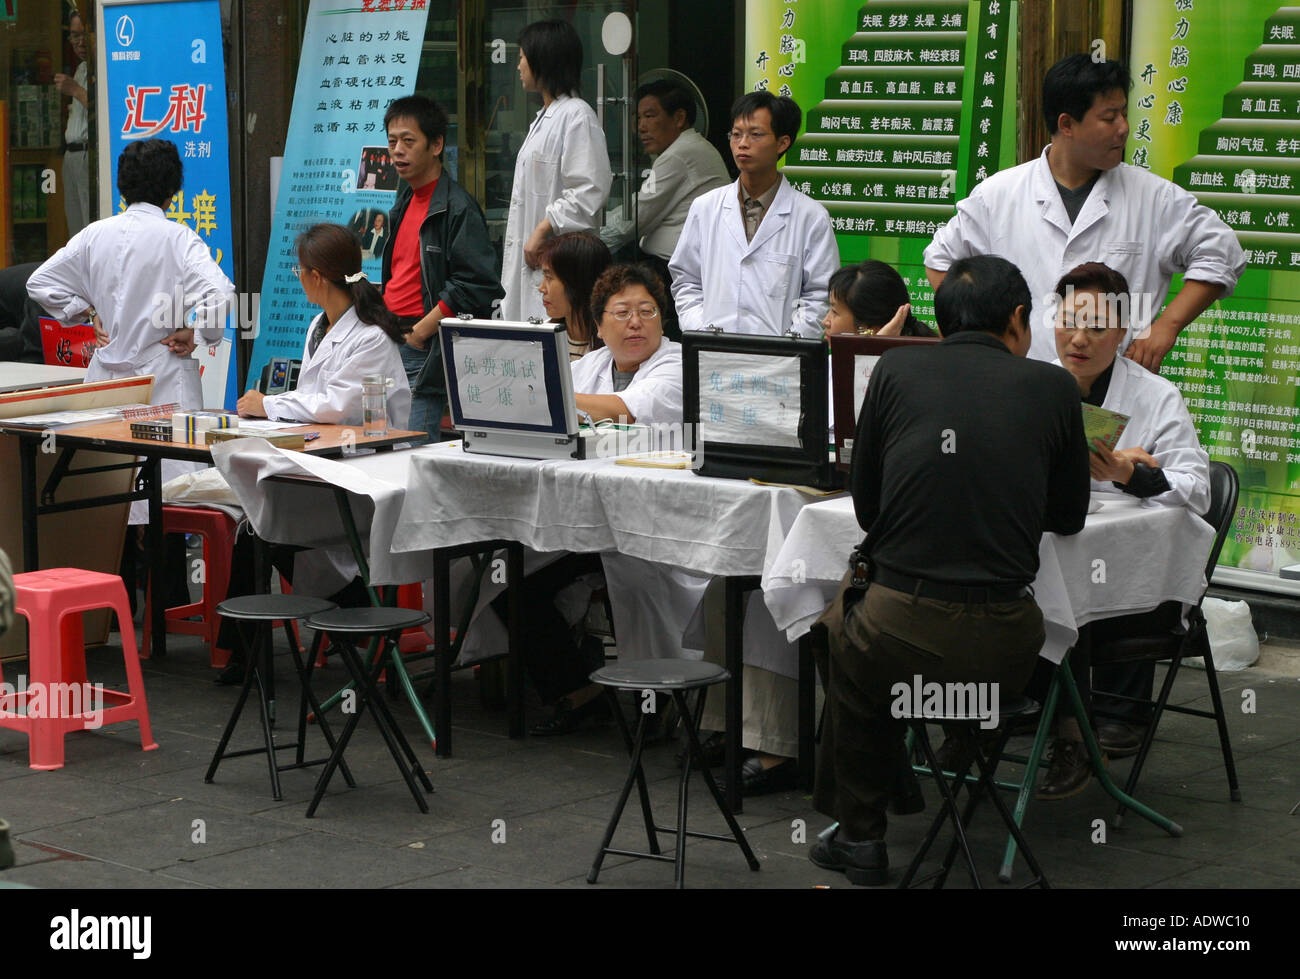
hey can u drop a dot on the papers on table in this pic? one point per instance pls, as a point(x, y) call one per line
point(64, 419)
point(266, 425)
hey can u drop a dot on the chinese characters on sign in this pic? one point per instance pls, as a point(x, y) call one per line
point(501, 380)
point(750, 399)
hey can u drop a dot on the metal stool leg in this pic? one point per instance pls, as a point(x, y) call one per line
point(633, 769)
point(392, 734)
point(987, 770)
point(220, 753)
point(309, 701)
point(948, 809)
point(641, 787)
point(692, 724)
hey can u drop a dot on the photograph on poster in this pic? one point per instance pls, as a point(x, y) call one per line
point(375, 170)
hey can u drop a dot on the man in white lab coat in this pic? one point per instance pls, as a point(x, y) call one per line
point(142, 276)
point(685, 167)
point(1079, 202)
point(756, 256)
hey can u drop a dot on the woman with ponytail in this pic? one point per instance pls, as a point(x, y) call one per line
point(356, 335)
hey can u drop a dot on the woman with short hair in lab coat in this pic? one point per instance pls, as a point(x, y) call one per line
point(562, 174)
point(1157, 457)
point(571, 264)
point(356, 335)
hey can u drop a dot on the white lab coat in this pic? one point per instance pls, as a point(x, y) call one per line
point(687, 169)
point(1137, 223)
point(773, 284)
point(1159, 424)
point(655, 395)
point(144, 275)
point(561, 174)
point(329, 384)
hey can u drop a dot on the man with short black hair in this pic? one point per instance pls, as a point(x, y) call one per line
point(685, 167)
point(756, 256)
point(965, 454)
point(437, 258)
point(128, 268)
point(1079, 202)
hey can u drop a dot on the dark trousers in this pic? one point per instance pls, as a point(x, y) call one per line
point(891, 637)
point(1136, 679)
point(667, 315)
point(558, 659)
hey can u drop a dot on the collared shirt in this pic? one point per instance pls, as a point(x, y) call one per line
point(1136, 222)
point(77, 130)
point(752, 209)
point(654, 395)
point(143, 274)
point(964, 456)
point(688, 168)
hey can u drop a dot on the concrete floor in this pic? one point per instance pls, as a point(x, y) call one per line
point(530, 813)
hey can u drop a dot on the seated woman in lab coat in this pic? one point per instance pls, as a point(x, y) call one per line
point(871, 298)
point(571, 264)
point(1157, 457)
point(635, 377)
point(356, 335)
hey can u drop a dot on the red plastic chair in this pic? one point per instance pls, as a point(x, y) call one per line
point(218, 532)
point(53, 601)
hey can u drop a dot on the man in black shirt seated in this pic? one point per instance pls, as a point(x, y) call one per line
point(965, 454)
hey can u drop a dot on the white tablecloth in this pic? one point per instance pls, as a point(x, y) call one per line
point(1129, 557)
point(658, 528)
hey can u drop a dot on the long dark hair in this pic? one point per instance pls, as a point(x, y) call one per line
point(577, 259)
point(873, 291)
point(334, 252)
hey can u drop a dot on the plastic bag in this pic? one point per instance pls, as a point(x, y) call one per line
point(1232, 636)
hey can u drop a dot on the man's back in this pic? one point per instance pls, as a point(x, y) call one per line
point(965, 454)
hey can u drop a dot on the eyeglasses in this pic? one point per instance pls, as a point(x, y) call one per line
point(624, 313)
point(752, 136)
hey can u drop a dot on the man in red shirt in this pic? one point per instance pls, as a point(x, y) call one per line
point(438, 260)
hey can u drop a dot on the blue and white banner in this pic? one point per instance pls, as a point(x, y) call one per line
point(162, 76)
point(357, 57)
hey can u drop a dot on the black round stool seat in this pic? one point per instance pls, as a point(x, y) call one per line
point(271, 607)
point(367, 620)
point(660, 674)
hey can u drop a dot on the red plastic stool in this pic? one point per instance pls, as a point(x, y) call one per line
point(218, 532)
point(52, 601)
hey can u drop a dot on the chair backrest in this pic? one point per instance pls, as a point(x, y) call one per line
point(1224, 487)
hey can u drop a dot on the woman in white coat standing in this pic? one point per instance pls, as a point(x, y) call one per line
point(562, 174)
point(355, 335)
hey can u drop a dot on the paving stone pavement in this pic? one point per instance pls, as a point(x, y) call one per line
point(530, 813)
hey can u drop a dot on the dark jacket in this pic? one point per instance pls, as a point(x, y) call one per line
point(20, 328)
point(457, 262)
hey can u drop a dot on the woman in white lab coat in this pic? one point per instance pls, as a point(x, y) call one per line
point(355, 335)
point(1157, 457)
point(562, 174)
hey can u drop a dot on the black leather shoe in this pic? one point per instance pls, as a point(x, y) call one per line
point(757, 780)
point(1068, 770)
point(1118, 739)
point(231, 676)
point(714, 747)
point(566, 720)
point(865, 864)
